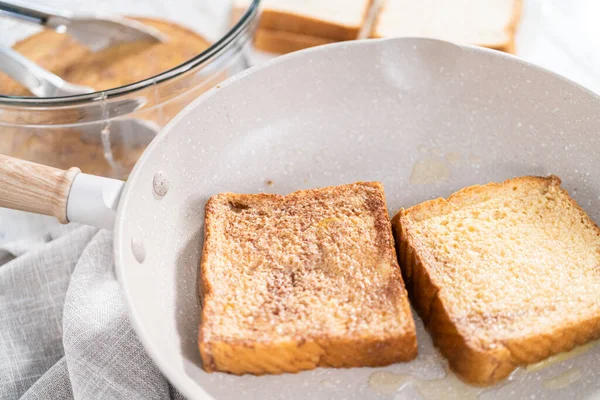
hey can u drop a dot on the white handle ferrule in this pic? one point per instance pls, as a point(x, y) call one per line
point(93, 200)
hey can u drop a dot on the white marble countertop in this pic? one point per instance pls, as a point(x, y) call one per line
point(560, 35)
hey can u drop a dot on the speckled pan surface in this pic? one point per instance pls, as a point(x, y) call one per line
point(424, 117)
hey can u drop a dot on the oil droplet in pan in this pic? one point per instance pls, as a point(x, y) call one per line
point(518, 374)
point(429, 171)
point(448, 388)
point(563, 380)
point(138, 250)
point(388, 382)
point(560, 357)
point(160, 183)
point(453, 157)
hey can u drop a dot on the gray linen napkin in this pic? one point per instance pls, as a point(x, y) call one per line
point(64, 332)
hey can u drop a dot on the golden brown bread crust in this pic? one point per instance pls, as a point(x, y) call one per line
point(285, 42)
point(290, 22)
point(472, 361)
point(294, 23)
point(295, 356)
point(291, 283)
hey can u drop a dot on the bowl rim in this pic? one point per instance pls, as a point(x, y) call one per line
point(212, 52)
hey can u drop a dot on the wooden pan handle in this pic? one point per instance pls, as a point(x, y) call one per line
point(34, 187)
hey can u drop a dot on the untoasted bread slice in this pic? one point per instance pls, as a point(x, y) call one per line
point(331, 19)
point(294, 282)
point(489, 23)
point(285, 42)
point(502, 274)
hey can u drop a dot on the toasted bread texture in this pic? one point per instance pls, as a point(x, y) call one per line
point(491, 23)
point(502, 274)
point(331, 19)
point(295, 282)
point(281, 42)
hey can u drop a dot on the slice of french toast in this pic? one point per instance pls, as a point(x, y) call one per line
point(295, 282)
point(502, 274)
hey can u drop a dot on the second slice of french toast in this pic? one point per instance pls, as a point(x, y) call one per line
point(504, 274)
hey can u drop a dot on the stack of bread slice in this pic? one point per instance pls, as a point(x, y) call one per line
point(291, 25)
point(491, 23)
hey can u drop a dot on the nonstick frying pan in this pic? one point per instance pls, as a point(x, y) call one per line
point(424, 117)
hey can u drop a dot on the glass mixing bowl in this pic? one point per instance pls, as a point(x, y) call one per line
point(105, 132)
